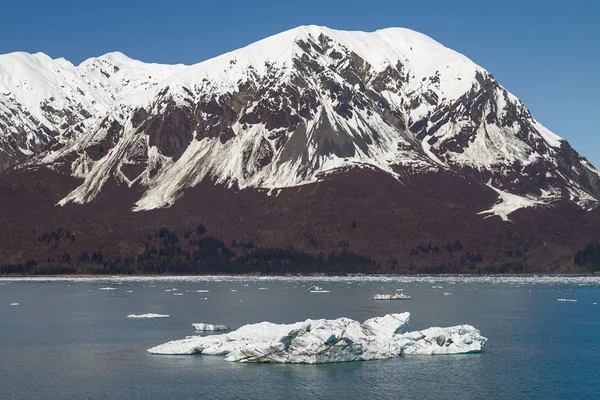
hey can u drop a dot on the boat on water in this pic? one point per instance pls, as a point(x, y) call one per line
point(395, 296)
point(315, 289)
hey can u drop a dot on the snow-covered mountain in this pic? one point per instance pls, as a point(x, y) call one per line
point(289, 110)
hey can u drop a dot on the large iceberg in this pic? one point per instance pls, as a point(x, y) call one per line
point(326, 341)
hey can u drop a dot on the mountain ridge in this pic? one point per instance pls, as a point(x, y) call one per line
point(299, 112)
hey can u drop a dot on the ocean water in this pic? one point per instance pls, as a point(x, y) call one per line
point(68, 339)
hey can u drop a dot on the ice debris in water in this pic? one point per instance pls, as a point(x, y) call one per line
point(107, 288)
point(326, 341)
point(567, 300)
point(150, 315)
point(14, 304)
point(210, 327)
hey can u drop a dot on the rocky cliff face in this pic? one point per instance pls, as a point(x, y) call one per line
point(293, 109)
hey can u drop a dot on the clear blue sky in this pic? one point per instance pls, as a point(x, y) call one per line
point(546, 52)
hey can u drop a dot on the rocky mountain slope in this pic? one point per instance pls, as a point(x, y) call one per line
point(305, 107)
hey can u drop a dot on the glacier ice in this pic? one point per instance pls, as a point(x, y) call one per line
point(327, 341)
point(210, 327)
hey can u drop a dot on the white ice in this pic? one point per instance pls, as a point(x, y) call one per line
point(150, 315)
point(14, 304)
point(325, 341)
point(209, 327)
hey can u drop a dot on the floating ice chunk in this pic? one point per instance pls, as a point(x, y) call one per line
point(460, 339)
point(567, 300)
point(447, 294)
point(234, 290)
point(202, 291)
point(15, 304)
point(324, 341)
point(395, 296)
point(210, 327)
point(263, 288)
point(107, 288)
point(129, 291)
point(177, 294)
point(150, 315)
point(320, 291)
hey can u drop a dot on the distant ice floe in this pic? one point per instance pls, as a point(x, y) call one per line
point(107, 288)
point(395, 296)
point(15, 304)
point(567, 300)
point(150, 315)
point(177, 294)
point(327, 341)
point(210, 327)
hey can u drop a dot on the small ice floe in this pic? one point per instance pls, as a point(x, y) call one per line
point(129, 291)
point(317, 289)
point(174, 289)
point(177, 294)
point(327, 341)
point(167, 290)
point(594, 303)
point(437, 287)
point(447, 294)
point(210, 327)
point(15, 304)
point(245, 285)
point(149, 315)
point(395, 296)
point(202, 291)
point(567, 300)
point(399, 290)
point(107, 288)
point(262, 288)
point(234, 290)
point(152, 286)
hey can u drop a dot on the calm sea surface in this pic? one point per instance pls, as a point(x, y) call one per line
point(67, 339)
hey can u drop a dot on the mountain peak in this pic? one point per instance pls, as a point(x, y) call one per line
point(288, 110)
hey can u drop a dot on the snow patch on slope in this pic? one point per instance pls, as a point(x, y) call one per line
point(508, 204)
